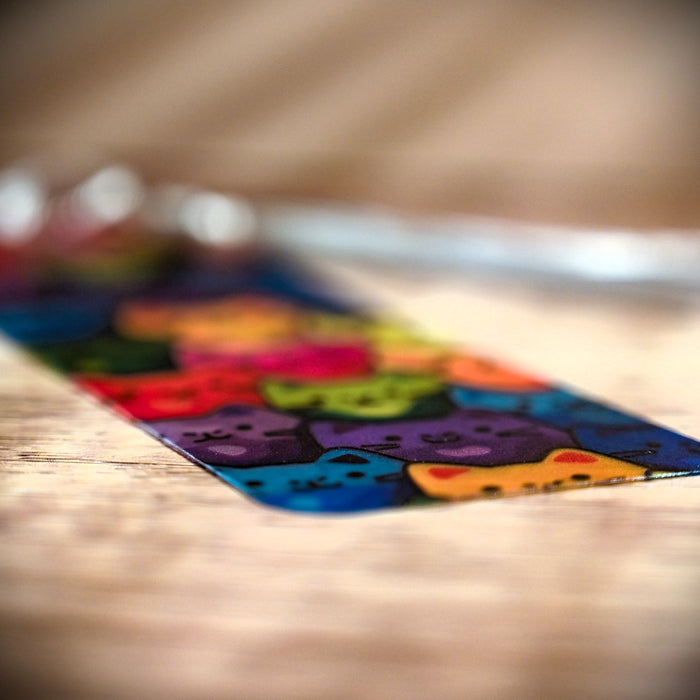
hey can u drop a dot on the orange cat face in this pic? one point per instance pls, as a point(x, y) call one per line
point(248, 318)
point(410, 357)
point(485, 374)
point(561, 469)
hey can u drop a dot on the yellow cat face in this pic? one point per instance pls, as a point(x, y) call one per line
point(561, 469)
point(321, 324)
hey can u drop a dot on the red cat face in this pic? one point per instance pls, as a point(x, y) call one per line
point(176, 394)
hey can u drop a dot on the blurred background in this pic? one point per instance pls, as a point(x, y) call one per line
point(576, 112)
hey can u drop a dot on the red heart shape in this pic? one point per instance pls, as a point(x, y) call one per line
point(575, 458)
point(447, 472)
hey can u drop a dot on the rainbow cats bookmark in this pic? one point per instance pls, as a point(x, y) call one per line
point(306, 404)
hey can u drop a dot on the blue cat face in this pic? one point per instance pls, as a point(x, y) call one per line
point(59, 319)
point(340, 480)
point(555, 407)
point(643, 444)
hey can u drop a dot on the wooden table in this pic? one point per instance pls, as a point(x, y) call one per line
point(126, 571)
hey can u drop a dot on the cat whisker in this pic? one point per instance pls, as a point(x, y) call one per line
point(519, 432)
point(384, 478)
point(381, 446)
point(628, 454)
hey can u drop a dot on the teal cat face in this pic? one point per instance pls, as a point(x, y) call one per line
point(382, 396)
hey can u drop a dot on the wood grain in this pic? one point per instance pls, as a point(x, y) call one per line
point(126, 571)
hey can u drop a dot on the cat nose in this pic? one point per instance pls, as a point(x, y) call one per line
point(441, 437)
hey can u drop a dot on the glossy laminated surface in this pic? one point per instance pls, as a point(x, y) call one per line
point(287, 393)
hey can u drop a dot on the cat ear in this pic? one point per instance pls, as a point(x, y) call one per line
point(283, 386)
point(285, 395)
point(349, 458)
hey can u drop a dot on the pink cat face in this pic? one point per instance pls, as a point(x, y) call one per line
point(297, 361)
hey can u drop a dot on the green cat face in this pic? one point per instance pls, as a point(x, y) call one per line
point(385, 395)
point(107, 353)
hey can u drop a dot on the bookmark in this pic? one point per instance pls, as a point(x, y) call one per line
point(303, 403)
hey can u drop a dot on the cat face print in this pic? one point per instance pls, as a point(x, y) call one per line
point(560, 469)
point(240, 436)
point(555, 406)
point(642, 444)
point(382, 396)
point(467, 436)
point(175, 394)
point(107, 353)
point(340, 480)
point(293, 361)
point(245, 318)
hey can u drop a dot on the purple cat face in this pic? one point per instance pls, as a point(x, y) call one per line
point(478, 437)
point(240, 436)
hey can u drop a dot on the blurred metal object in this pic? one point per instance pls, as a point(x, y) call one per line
point(650, 260)
point(110, 195)
point(35, 203)
point(208, 218)
point(113, 201)
point(23, 203)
